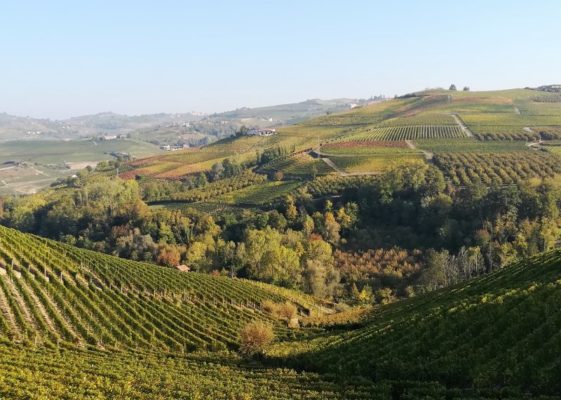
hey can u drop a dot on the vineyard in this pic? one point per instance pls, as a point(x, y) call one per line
point(336, 184)
point(500, 168)
point(376, 163)
point(512, 126)
point(471, 146)
point(410, 132)
point(492, 337)
point(45, 373)
point(421, 119)
point(366, 147)
point(218, 188)
point(258, 195)
point(299, 165)
point(52, 293)
point(426, 119)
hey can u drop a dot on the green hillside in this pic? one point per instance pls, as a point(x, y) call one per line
point(498, 333)
point(52, 293)
point(423, 127)
point(76, 324)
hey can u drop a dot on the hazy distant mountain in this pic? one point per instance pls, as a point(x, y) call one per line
point(107, 123)
point(165, 127)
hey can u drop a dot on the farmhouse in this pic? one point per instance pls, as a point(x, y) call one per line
point(109, 137)
point(261, 132)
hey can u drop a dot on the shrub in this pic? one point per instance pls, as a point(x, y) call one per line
point(287, 311)
point(268, 306)
point(254, 337)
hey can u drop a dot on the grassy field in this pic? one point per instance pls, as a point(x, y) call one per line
point(57, 152)
point(42, 162)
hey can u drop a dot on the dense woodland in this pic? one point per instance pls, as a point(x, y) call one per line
point(403, 233)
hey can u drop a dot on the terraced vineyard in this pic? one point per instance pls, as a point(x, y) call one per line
point(500, 168)
point(51, 293)
point(497, 336)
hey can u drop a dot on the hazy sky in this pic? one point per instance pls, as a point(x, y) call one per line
point(65, 58)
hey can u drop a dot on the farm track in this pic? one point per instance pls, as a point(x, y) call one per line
point(428, 155)
point(463, 126)
point(343, 173)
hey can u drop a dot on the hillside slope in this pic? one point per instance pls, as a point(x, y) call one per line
point(373, 137)
point(502, 330)
point(78, 324)
point(52, 293)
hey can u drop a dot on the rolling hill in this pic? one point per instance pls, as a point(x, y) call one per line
point(77, 324)
point(51, 293)
point(495, 137)
point(498, 333)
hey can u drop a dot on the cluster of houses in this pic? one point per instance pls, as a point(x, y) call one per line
point(261, 132)
point(174, 147)
point(113, 137)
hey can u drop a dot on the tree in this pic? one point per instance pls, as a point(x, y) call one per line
point(466, 89)
point(254, 337)
point(452, 87)
point(242, 131)
point(434, 275)
point(201, 180)
point(268, 258)
point(314, 171)
point(290, 210)
point(168, 255)
point(332, 228)
point(217, 171)
point(320, 277)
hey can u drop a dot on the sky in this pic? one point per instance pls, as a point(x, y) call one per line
point(69, 58)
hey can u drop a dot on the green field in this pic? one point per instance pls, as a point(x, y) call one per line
point(57, 152)
point(41, 162)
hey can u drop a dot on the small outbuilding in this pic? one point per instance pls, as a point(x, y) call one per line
point(183, 268)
